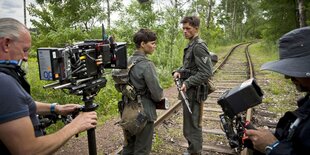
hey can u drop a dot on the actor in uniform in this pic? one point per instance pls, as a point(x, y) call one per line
point(144, 78)
point(195, 72)
point(292, 136)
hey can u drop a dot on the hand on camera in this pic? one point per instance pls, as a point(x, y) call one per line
point(66, 109)
point(84, 121)
point(260, 138)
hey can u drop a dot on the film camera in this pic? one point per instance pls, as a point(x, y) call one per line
point(80, 69)
point(79, 66)
point(233, 103)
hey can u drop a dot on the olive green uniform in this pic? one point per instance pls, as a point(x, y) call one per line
point(143, 77)
point(197, 61)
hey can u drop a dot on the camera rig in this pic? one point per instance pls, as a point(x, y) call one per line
point(80, 70)
point(234, 103)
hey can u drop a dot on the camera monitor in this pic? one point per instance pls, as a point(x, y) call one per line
point(117, 58)
point(240, 98)
point(51, 63)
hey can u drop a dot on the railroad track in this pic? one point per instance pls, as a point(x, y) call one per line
point(235, 68)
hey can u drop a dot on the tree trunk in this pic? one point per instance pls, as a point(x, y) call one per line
point(209, 13)
point(25, 19)
point(109, 14)
point(233, 20)
point(86, 27)
point(301, 13)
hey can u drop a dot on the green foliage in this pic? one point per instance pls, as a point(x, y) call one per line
point(280, 18)
point(55, 14)
point(279, 93)
point(232, 15)
point(213, 36)
point(138, 16)
point(59, 38)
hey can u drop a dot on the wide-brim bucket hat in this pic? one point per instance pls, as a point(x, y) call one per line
point(294, 54)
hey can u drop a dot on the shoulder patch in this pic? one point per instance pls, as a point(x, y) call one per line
point(205, 59)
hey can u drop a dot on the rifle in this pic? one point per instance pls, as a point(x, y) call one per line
point(184, 96)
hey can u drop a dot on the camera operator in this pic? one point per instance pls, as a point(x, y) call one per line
point(19, 126)
point(292, 135)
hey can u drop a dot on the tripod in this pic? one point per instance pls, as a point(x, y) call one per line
point(91, 135)
point(88, 88)
point(89, 92)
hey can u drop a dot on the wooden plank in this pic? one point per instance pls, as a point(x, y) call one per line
point(214, 131)
point(220, 149)
point(211, 118)
point(214, 148)
point(213, 109)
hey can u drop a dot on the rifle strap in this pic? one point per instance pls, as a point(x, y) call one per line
point(139, 93)
point(130, 68)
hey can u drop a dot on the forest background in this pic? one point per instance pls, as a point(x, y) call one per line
point(223, 23)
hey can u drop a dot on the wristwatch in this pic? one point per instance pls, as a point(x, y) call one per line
point(53, 108)
point(269, 148)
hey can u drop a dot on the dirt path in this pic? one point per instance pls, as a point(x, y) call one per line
point(108, 136)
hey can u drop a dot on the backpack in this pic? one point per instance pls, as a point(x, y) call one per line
point(133, 118)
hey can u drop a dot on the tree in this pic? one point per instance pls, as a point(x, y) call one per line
point(25, 19)
point(209, 15)
point(111, 6)
point(301, 13)
point(280, 17)
point(134, 17)
point(232, 15)
point(54, 14)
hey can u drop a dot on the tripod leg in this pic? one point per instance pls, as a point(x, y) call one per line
point(91, 135)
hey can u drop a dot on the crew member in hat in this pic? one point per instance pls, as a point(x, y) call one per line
point(292, 135)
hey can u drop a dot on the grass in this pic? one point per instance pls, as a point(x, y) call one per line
point(279, 93)
point(157, 142)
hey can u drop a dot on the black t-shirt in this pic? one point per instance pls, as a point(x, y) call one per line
point(15, 103)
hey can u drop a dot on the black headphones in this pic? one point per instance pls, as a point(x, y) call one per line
point(17, 73)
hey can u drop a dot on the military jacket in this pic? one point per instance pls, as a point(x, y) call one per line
point(299, 143)
point(197, 60)
point(144, 78)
